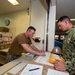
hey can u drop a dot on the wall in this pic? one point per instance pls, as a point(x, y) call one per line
point(38, 17)
point(19, 21)
point(51, 27)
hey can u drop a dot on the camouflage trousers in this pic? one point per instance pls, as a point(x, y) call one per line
point(11, 57)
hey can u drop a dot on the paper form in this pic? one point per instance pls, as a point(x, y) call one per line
point(55, 72)
point(44, 59)
point(34, 72)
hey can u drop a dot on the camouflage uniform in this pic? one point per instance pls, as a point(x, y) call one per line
point(11, 57)
point(69, 50)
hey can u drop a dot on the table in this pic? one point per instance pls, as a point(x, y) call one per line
point(17, 69)
point(9, 66)
point(45, 67)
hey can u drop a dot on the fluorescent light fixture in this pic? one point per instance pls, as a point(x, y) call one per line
point(70, 19)
point(14, 2)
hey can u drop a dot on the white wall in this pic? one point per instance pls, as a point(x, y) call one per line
point(38, 19)
point(51, 27)
point(19, 21)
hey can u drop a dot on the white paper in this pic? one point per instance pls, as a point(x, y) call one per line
point(44, 59)
point(55, 72)
point(34, 72)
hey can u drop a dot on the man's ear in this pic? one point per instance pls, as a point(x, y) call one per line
point(66, 22)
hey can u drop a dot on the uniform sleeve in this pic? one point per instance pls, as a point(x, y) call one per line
point(73, 39)
point(70, 64)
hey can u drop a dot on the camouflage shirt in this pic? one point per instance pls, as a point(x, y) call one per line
point(69, 50)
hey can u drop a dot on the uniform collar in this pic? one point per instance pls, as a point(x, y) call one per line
point(70, 29)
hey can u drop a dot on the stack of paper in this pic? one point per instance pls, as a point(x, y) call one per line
point(32, 69)
point(44, 59)
point(55, 72)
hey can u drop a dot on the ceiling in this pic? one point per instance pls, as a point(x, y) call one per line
point(6, 7)
point(64, 7)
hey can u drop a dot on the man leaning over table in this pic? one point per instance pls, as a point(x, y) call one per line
point(22, 42)
point(68, 49)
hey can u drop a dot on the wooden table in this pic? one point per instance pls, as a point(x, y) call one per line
point(45, 67)
point(32, 61)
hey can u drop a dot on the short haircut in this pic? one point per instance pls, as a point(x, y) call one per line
point(31, 28)
point(64, 18)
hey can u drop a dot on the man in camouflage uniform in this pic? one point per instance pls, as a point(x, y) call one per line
point(68, 50)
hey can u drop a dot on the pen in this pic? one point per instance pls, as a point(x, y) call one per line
point(34, 69)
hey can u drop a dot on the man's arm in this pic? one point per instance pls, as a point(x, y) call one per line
point(29, 49)
point(65, 66)
point(33, 47)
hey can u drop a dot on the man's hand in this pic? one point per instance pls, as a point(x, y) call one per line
point(42, 53)
point(29, 49)
point(59, 65)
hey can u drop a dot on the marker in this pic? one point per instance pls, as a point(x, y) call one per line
point(34, 69)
